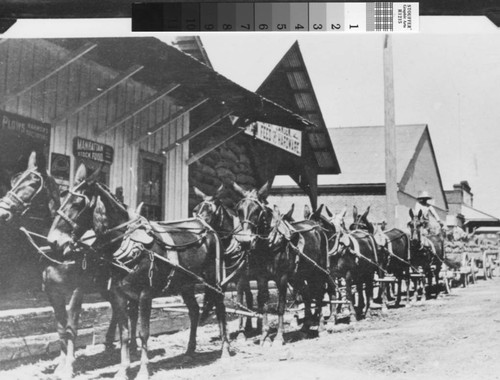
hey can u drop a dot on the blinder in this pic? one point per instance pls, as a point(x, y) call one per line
point(12, 202)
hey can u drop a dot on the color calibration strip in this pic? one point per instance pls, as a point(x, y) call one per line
point(277, 17)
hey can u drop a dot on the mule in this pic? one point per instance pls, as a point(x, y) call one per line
point(312, 279)
point(78, 270)
point(222, 220)
point(428, 247)
point(155, 257)
point(356, 259)
point(272, 253)
point(31, 202)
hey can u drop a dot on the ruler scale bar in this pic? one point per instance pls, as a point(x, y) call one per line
point(276, 17)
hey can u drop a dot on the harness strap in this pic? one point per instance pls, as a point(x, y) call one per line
point(38, 249)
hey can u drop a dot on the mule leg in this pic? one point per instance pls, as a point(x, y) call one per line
point(369, 295)
point(350, 297)
point(361, 299)
point(133, 313)
point(249, 305)
point(144, 311)
point(398, 294)
point(306, 299)
point(262, 305)
point(75, 308)
point(220, 310)
point(241, 287)
point(122, 320)
point(281, 284)
point(187, 293)
point(58, 302)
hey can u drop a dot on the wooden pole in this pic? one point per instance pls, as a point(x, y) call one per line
point(390, 135)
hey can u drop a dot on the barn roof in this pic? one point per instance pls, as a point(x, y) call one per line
point(361, 153)
point(289, 84)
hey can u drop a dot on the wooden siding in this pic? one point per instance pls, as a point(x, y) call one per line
point(422, 174)
point(23, 60)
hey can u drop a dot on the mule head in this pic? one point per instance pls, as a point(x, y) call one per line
point(25, 188)
point(75, 216)
point(415, 225)
point(360, 221)
point(253, 214)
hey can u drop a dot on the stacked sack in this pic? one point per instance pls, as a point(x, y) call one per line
point(225, 165)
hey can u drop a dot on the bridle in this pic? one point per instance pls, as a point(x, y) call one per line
point(262, 212)
point(87, 204)
point(12, 203)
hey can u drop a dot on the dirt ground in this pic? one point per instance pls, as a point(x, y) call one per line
point(453, 337)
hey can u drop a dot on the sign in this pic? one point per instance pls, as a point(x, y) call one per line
point(92, 150)
point(287, 139)
point(25, 126)
point(60, 166)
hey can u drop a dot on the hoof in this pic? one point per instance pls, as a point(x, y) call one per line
point(143, 373)
point(121, 375)
point(240, 336)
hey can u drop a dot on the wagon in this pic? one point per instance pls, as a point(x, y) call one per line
point(458, 266)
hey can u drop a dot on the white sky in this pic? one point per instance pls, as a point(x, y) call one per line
point(447, 76)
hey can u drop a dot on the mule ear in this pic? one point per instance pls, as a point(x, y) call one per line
point(366, 212)
point(219, 191)
point(262, 193)
point(100, 219)
point(343, 212)
point(412, 215)
point(420, 213)
point(354, 212)
point(239, 189)
point(288, 215)
point(328, 212)
point(134, 213)
point(32, 161)
point(199, 193)
point(81, 174)
point(316, 214)
point(95, 175)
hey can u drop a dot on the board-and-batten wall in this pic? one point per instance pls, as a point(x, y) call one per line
point(22, 60)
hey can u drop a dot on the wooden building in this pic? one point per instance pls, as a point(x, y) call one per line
point(360, 151)
point(462, 212)
point(156, 118)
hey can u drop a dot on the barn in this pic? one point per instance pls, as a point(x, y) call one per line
point(360, 151)
point(158, 121)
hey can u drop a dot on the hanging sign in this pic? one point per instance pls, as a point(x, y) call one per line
point(92, 150)
point(287, 139)
point(25, 126)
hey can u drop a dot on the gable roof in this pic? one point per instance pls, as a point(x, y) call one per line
point(361, 152)
point(472, 214)
point(193, 46)
point(289, 85)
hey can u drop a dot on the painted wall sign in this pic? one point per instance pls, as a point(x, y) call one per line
point(92, 150)
point(281, 137)
point(25, 126)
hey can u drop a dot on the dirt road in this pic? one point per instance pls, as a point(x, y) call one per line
point(453, 337)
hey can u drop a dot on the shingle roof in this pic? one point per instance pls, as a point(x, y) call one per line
point(361, 153)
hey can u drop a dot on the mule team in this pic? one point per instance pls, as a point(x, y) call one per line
point(96, 243)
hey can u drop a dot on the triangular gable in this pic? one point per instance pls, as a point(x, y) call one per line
point(289, 85)
point(422, 173)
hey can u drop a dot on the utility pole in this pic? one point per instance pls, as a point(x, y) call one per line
point(391, 181)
